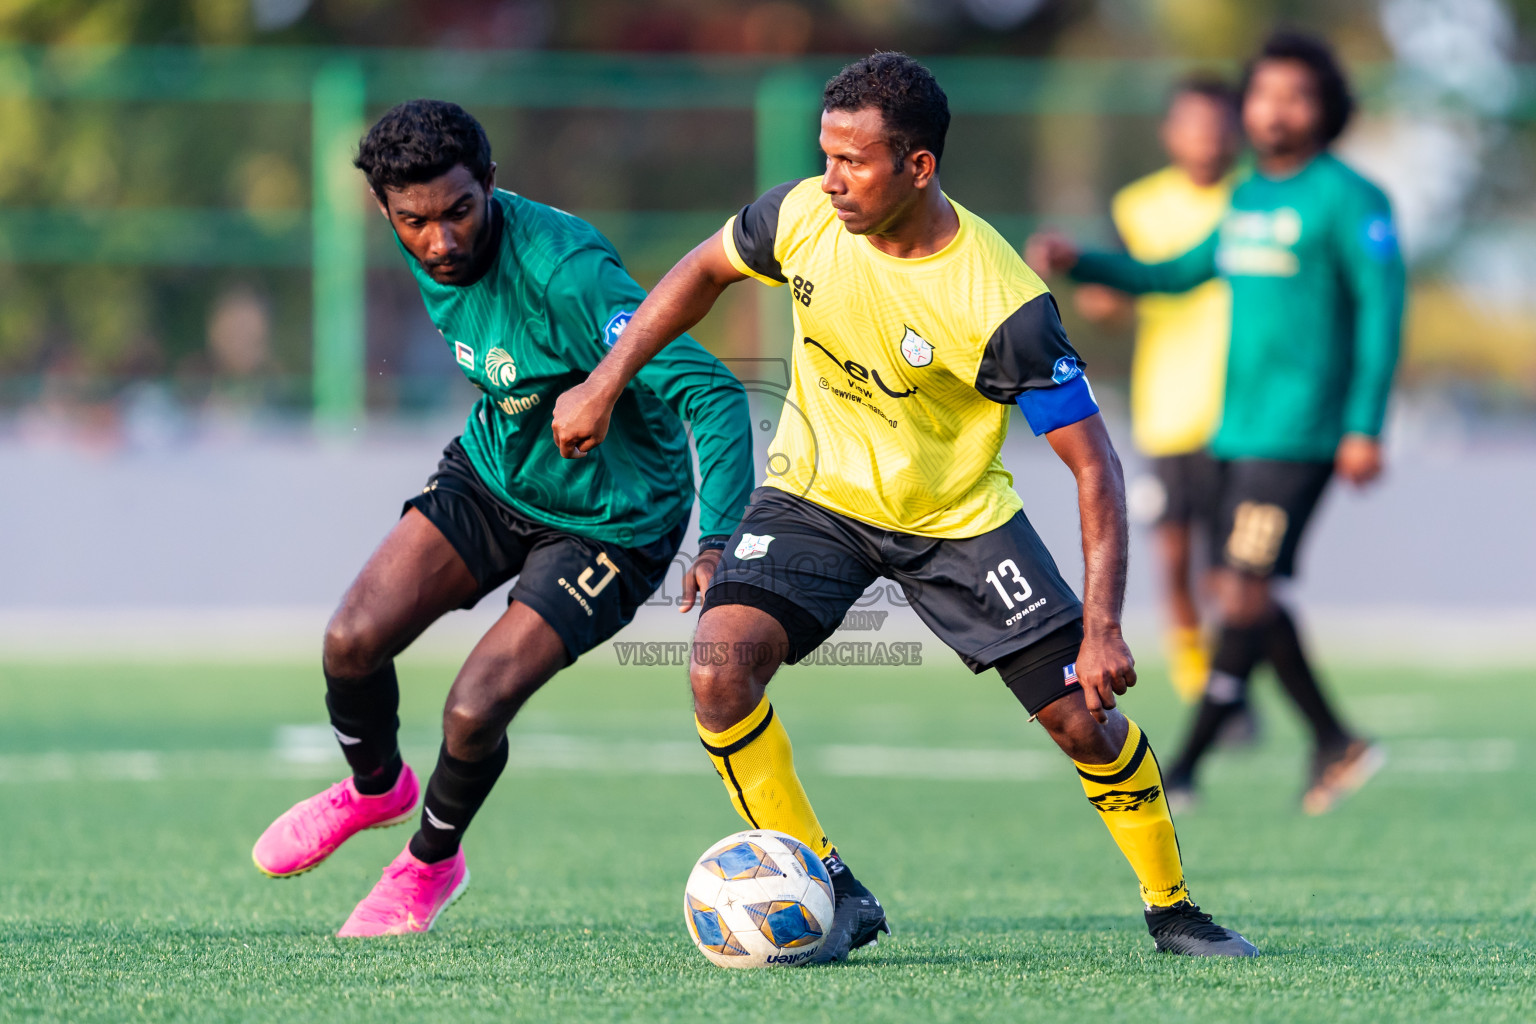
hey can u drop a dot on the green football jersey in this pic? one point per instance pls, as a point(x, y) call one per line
point(1317, 306)
point(540, 318)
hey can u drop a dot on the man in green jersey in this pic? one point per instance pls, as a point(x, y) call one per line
point(1310, 252)
point(1180, 359)
point(529, 299)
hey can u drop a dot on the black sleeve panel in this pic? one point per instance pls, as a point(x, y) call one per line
point(1028, 350)
point(757, 226)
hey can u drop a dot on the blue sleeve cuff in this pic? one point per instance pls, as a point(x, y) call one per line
point(1049, 409)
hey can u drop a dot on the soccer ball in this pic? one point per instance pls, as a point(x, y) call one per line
point(758, 899)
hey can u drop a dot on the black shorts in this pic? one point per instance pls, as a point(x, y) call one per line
point(587, 590)
point(990, 598)
point(1265, 507)
point(1191, 485)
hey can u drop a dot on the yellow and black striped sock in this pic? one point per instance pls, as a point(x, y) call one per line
point(1128, 794)
point(754, 759)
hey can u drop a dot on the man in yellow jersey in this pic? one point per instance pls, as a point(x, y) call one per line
point(1180, 358)
point(917, 329)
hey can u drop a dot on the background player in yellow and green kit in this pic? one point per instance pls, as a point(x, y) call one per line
point(1309, 249)
point(917, 329)
point(1180, 357)
point(528, 299)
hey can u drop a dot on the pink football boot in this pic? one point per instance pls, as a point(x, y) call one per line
point(409, 897)
point(311, 830)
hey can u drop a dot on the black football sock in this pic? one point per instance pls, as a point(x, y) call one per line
point(1289, 658)
point(454, 793)
point(365, 719)
point(1238, 651)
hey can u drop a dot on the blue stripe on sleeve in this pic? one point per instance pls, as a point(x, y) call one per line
point(1048, 409)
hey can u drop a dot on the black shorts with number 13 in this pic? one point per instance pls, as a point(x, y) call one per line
point(987, 597)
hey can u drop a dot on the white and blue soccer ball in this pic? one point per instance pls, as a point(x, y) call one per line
point(758, 899)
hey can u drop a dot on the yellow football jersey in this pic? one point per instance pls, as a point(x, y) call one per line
point(903, 369)
point(1180, 362)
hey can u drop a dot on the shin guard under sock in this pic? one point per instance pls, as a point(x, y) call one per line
point(1238, 650)
point(454, 793)
point(1128, 794)
point(1289, 658)
point(365, 719)
point(757, 764)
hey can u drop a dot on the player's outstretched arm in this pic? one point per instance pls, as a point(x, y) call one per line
point(1050, 252)
point(707, 396)
point(1104, 664)
point(1375, 274)
point(679, 300)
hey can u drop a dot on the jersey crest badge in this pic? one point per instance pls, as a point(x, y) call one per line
point(1066, 368)
point(500, 368)
point(616, 326)
point(465, 355)
point(915, 349)
point(1380, 238)
point(752, 546)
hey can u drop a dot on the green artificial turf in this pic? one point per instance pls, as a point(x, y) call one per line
point(130, 796)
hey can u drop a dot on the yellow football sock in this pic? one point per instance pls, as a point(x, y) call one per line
point(1189, 664)
point(1128, 794)
point(754, 759)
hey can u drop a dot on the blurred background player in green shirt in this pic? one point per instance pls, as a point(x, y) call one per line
point(1180, 358)
point(1309, 249)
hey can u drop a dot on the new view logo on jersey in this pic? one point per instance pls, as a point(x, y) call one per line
point(858, 373)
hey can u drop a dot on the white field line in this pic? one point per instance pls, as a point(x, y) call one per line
point(1448, 757)
point(295, 756)
point(1397, 714)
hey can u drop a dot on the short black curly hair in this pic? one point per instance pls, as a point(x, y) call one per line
point(1332, 87)
point(420, 140)
point(1207, 85)
point(914, 108)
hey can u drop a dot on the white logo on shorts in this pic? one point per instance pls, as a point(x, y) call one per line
point(753, 546)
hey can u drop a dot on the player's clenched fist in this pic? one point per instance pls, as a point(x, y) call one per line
point(1358, 459)
point(696, 579)
point(581, 419)
point(1050, 252)
point(1104, 668)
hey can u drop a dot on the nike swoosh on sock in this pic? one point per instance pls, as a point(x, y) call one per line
point(438, 822)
